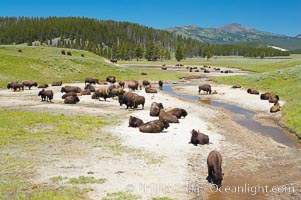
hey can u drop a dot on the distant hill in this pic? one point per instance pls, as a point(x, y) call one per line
point(298, 36)
point(235, 34)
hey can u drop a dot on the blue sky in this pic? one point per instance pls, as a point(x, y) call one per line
point(276, 16)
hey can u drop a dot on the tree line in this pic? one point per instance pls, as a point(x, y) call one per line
point(112, 39)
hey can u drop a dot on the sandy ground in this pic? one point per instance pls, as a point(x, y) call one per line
point(248, 157)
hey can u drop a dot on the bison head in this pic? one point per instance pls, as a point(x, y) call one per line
point(184, 113)
point(9, 85)
point(121, 100)
point(218, 178)
point(165, 123)
point(194, 133)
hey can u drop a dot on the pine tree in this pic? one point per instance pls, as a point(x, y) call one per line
point(179, 52)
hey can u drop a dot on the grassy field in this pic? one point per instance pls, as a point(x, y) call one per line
point(47, 64)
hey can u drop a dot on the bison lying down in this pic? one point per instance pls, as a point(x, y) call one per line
point(135, 122)
point(214, 164)
point(71, 100)
point(275, 108)
point(178, 112)
point(198, 138)
point(155, 109)
point(155, 126)
point(252, 91)
point(168, 117)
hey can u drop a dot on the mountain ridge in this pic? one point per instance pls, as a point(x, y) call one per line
point(236, 33)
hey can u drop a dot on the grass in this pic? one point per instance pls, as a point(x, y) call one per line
point(46, 65)
point(86, 180)
point(121, 196)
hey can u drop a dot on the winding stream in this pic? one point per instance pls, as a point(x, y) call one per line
point(245, 118)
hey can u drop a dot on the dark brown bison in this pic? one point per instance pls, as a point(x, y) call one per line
point(236, 86)
point(135, 122)
point(15, 86)
point(145, 83)
point(121, 83)
point(68, 88)
point(253, 91)
point(46, 95)
point(155, 126)
point(178, 112)
point(198, 138)
point(90, 87)
point(71, 100)
point(205, 87)
point(69, 53)
point(143, 73)
point(30, 83)
point(82, 55)
point(20, 50)
point(214, 164)
point(91, 81)
point(265, 96)
point(116, 92)
point(133, 85)
point(160, 84)
point(63, 52)
point(155, 109)
point(131, 100)
point(164, 68)
point(273, 99)
point(206, 71)
point(150, 90)
point(168, 117)
point(275, 108)
point(113, 60)
point(68, 94)
point(43, 86)
point(102, 92)
point(57, 83)
point(111, 79)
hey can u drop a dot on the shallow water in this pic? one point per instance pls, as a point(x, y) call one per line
point(245, 118)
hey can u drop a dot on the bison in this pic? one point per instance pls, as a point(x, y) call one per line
point(91, 81)
point(102, 92)
point(236, 86)
point(253, 91)
point(131, 100)
point(265, 96)
point(214, 164)
point(205, 87)
point(275, 108)
point(15, 86)
point(113, 60)
point(63, 52)
point(46, 95)
point(133, 85)
point(198, 138)
point(155, 126)
point(150, 90)
point(273, 99)
point(155, 109)
point(121, 84)
point(71, 100)
point(69, 94)
point(68, 88)
point(160, 84)
point(69, 53)
point(135, 122)
point(168, 117)
point(57, 83)
point(43, 86)
point(86, 92)
point(111, 79)
point(145, 83)
point(30, 83)
point(90, 87)
point(177, 112)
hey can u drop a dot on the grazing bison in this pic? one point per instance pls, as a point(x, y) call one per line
point(46, 95)
point(68, 94)
point(275, 108)
point(63, 52)
point(82, 55)
point(68, 88)
point(91, 81)
point(273, 99)
point(20, 51)
point(69, 53)
point(15, 86)
point(43, 86)
point(155, 126)
point(135, 122)
point(155, 109)
point(164, 68)
point(71, 100)
point(131, 100)
point(168, 117)
point(205, 87)
point(145, 83)
point(198, 138)
point(265, 96)
point(57, 83)
point(90, 87)
point(121, 84)
point(160, 84)
point(30, 83)
point(133, 85)
point(113, 60)
point(177, 112)
point(214, 164)
point(150, 90)
point(102, 92)
point(143, 73)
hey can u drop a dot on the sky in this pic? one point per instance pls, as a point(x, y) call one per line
point(275, 16)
